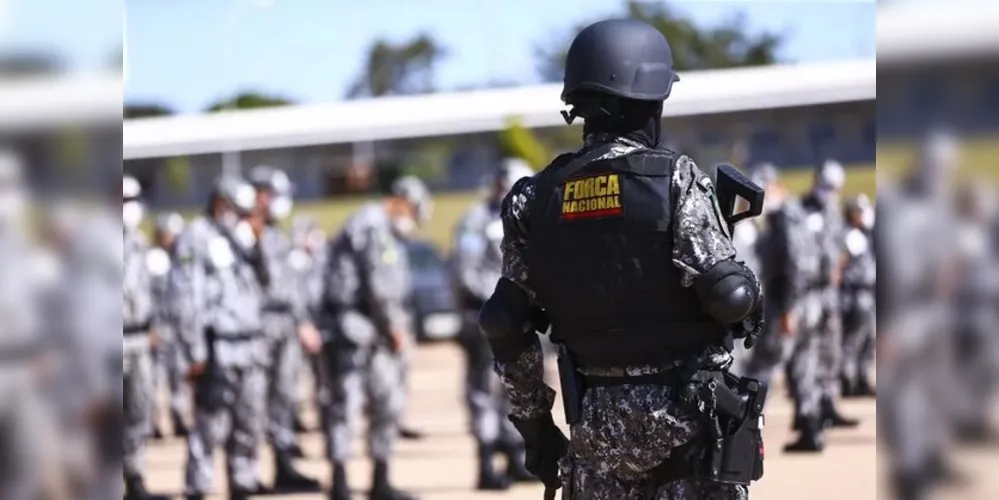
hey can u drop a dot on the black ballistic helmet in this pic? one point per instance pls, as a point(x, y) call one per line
point(620, 57)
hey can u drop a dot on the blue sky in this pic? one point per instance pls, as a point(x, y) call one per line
point(186, 53)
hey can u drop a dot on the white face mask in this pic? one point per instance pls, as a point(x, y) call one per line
point(404, 226)
point(280, 207)
point(229, 219)
point(243, 234)
point(131, 214)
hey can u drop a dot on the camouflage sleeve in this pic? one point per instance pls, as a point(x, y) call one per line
point(188, 296)
point(470, 246)
point(515, 215)
point(700, 236)
point(523, 377)
point(386, 277)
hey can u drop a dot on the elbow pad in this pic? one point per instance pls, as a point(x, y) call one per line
point(505, 320)
point(728, 291)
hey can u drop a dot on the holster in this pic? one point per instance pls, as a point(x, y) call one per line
point(732, 451)
point(572, 386)
point(208, 390)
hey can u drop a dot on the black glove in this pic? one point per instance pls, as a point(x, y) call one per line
point(545, 445)
point(752, 327)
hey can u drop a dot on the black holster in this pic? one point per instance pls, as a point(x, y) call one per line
point(208, 391)
point(732, 450)
point(571, 383)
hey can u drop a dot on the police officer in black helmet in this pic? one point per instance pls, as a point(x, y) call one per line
point(624, 249)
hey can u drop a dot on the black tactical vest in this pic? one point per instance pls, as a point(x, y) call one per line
point(601, 260)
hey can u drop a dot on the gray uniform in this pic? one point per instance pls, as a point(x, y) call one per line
point(914, 408)
point(169, 358)
point(610, 458)
point(284, 309)
point(859, 307)
point(27, 439)
point(138, 315)
point(746, 238)
point(367, 284)
point(218, 300)
point(826, 220)
point(478, 265)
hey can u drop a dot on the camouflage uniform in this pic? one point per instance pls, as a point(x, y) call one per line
point(478, 264)
point(138, 314)
point(826, 220)
point(626, 430)
point(367, 282)
point(789, 264)
point(859, 308)
point(284, 309)
point(168, 357)
point(217, 298)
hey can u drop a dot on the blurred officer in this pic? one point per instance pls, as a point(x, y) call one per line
point(308, 259)
point(139, 328)
point(286, 323)
point(217, 292)
point(976, 315)
point(623, 246)
point(169, 360)
point(860, 276)
point(914, 348)
point(478, 266)
point(825, 219)
point(746, 238)
point(27, 452)
point(367, 286)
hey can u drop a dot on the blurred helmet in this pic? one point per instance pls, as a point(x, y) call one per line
point(620, 57)
point(130, 188)
point(237, 192)
point(830, 175)
point(509, 172)
point(415, 192)
point(264, 177)
point(764, 174)
point(171, 223)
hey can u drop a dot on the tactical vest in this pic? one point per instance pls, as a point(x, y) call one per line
point(600, 259)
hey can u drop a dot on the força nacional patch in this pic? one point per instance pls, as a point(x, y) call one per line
point(591, 197)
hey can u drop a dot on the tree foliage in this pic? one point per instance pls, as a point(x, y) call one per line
point(249, 100)
point(398, 69)
point(724, 46)
point(145, 110)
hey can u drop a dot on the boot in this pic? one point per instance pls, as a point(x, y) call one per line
point(194, 496)
point(380, 487)
point(288, 479)
point(340, 490)
point(300, 427)
point(179, 427)
point(488, 479)
point(296, 451)
point(938, 470)
point(809, 439)
point(847, 388)
point(832, 418)
point(409, 434)
point(239, 495)
point(515, 468)
point(135, 489)
point(864, 389)
point(157, 433)
point(909, 486)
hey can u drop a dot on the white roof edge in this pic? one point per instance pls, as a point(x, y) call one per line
point(700, 92)
point(60, 100)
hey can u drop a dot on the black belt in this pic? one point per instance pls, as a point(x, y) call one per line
point(137, 329)
point(236, 337)
point(277, 308)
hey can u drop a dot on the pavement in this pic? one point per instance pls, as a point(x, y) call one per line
point(442, 465)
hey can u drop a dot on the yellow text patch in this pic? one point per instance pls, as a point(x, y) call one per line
point(591, 197)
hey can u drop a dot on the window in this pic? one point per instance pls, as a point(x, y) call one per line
point(765, 146)
point(822, 142)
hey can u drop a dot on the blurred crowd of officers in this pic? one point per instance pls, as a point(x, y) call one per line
point(228, 311)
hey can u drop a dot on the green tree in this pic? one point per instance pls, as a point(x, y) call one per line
point(248, 100)
point(145, 110)
point(29, 64)
point(727, 45)
point(398, 69)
